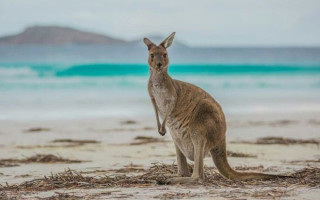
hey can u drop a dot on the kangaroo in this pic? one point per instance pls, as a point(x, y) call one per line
point(196, 121)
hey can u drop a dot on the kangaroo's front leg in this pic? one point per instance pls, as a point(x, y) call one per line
point(162, 129)
point(157, 117)
point(170, 103)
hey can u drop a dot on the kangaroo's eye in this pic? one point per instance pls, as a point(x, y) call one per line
point(151, 55)
point(165, 55)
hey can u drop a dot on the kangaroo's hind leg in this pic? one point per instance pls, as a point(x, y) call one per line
point(183, 169)
point(199, 151)
point(182, 163)
point(197, 175)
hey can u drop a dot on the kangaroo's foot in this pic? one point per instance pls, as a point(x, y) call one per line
point(171, 175)
point(184, 180)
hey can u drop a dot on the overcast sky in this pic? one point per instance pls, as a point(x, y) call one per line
point(197, 23)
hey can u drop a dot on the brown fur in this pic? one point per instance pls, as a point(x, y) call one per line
point(196, 121)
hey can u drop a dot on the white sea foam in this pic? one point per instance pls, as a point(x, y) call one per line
point(9, 72)
point(115, 96)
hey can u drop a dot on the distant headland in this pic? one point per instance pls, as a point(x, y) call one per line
point(59, 35)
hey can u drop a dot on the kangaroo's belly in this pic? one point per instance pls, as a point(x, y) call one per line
point(180, 134)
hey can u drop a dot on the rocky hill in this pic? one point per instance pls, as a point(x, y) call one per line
point(55, 35)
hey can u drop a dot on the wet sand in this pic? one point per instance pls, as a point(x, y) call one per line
point(108, 147)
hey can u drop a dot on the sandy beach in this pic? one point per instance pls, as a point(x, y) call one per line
point(81, 81)
point(110, 147)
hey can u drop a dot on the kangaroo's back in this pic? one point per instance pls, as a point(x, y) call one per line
point(189, 96)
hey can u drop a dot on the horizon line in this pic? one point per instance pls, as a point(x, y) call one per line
point(155, 35)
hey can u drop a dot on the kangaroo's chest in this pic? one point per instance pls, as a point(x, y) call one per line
point(178, 122)
point(164, 99)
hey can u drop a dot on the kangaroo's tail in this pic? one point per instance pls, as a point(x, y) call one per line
point(219, 156)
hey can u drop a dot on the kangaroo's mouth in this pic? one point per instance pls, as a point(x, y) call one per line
point(158, 69)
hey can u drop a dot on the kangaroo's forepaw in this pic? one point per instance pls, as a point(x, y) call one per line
point(162, 131)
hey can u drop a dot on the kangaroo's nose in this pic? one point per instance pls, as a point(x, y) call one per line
point(159, 64)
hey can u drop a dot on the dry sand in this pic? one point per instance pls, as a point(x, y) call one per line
point(111, 147)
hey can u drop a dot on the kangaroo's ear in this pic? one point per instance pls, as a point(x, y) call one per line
point(168, 41)
point(148, 43)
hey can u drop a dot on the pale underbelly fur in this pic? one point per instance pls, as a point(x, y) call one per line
point(182, 139)
point(180, 136)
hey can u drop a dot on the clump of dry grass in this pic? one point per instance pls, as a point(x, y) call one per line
point(128, 122)
point(7, 163)
point(302, 161)
point(131, 168)
point(308, 177)
point(73, 179)
point(280, 140)
point(75, 142)
point(37, 129)
point(38, 158)
point(175, 195)
point(63, 196)
point(48, 158)
point(314, 122)
point(273, 193)
point(65, 143)
point(3, 195)
point(139, 140)
point(272, 123)
point(258, 168)
point(240, 155)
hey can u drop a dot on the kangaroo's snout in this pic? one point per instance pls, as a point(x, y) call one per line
point(159, 61)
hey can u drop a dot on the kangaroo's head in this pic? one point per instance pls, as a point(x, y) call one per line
point(158, 57)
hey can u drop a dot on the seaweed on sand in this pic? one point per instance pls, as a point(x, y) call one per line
point(129, 122)
point(38, 158)
point(131, 168)
point(157, 173)
point(140, 140)
point(75, 142)
point(303, 161)
point(36, 129)
point(280, 140)
point(240, 155)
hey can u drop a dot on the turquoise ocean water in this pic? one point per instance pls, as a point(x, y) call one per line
point(56, 90)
